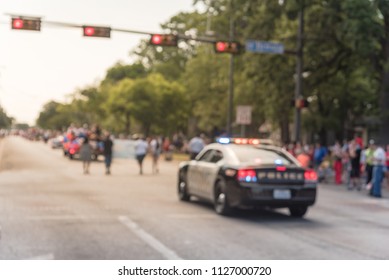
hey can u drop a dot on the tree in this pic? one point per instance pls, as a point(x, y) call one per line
point(5, 120)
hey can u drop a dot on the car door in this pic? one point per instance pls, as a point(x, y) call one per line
point(211, 171)
point(208, 169)
point(195, 176)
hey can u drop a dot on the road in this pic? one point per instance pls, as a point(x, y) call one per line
point(50, 210)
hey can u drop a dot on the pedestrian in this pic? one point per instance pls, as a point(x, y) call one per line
point(196, 144)
point(107, 151)
point(141, 148)
point(379, 161)
point(337, 154)
point(354, 150)
point(86, 154)
point(319, 153)
point(304, 159)
point(387, 165)
point(155, 148)
point(368, 156)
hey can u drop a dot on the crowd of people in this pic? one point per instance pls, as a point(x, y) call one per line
point(353, 163)
point(350, 163)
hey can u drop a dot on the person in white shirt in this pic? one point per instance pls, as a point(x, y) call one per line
point(141, 147)
point(379, 159)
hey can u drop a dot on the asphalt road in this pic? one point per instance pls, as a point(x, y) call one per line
point(50, 210)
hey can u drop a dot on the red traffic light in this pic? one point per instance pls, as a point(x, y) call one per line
point(164, 40)
point(156, 39)
point(17, 23)
point(89, 31)
point(221, 46)
point(33, 24)
point(97, 31)
point(227, 47)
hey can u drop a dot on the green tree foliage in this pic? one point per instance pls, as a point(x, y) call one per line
point(206, 81)
point(5, 120)
point(346, 73)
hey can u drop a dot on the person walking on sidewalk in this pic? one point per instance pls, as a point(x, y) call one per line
point(141, 147)
point(155, 147)
point(337, 154)
point(378, 170)
point(108, 144)
point(354, 151)
point(368, 163)
point(196, 144)
point(86, 154)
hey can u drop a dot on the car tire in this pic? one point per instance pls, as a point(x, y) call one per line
point(183, 187)
point(298, 211)
point(71, 156)
point(221, 204)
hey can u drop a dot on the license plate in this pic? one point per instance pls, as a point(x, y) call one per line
point(282, 194)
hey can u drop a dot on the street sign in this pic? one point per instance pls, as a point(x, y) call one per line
point(243, 114)
point(264, 47)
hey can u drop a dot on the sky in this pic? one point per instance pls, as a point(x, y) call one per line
point(37, 67)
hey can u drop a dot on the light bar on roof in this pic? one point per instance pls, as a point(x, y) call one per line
point(239, 141)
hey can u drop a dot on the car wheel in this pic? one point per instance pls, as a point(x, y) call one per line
point(222, 207)
point(298, 211)
point(71, 156)
point(183, 188)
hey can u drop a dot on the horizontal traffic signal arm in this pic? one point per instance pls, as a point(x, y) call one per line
point(34, 23)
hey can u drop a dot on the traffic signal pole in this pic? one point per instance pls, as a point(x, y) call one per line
point(299, 72)
point(231, 78)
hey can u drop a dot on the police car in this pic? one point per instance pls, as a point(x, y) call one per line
point(236, 172)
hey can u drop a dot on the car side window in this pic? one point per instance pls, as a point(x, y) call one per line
point(216, 156)
point(206, 157)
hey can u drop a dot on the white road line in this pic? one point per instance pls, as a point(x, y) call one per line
point(149, 239)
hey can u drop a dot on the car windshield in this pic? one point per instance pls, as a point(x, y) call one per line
point(259, 156)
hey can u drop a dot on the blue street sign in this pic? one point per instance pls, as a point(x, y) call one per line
point(264, 47)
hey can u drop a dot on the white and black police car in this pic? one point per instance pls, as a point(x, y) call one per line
point(236, 172)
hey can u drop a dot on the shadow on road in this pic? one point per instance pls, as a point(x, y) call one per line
point(262, 216)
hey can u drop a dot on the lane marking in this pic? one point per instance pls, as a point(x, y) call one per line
point(149, 239)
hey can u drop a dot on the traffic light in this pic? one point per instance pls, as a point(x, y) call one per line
point(168, 40)
point(20, 23)
point(227, 47)
point(96, 31)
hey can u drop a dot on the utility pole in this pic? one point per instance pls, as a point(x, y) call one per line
point(231, 77)
point(299, 72)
